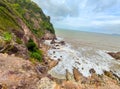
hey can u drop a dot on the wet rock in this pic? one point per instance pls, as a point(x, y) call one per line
point(109, 74)
point(56, 45)
point(77, 74)
point(62, 42)
point(52, 42)
point(92, 71)
point(53, 63)
point(54, 52)
point(59, 59)
point(115, 55)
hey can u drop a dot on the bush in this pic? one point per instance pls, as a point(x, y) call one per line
point(34, 50)
point(36, 55)
point(7, 37)
point(31, 46)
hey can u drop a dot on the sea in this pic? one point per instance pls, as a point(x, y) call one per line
point(78, 39)
point(85, 51)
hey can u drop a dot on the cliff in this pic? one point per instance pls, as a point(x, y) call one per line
point(23, 25)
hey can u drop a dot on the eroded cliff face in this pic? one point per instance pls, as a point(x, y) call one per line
point(20, 21)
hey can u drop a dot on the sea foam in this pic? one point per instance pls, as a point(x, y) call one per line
point(84, 60)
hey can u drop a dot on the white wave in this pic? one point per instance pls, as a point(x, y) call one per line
point(84, 60)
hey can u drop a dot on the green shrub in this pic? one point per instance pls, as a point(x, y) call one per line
point(7, 37)
point(36, 55)
point(31, 46)
point(34, 50)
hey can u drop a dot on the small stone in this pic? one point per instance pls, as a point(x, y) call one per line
point(92, 71)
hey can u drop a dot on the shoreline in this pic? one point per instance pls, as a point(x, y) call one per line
point(57, 52)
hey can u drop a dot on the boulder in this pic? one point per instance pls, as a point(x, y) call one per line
point(77, 74)
point(53, 63)
point(62, 42)
point(92, 71)
point(69, 76)
point(115, 55)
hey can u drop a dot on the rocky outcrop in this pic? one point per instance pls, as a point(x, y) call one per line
point(17, 73)
point(52, 64)
point(46, 83)
point(115, 55)
point(69, 76)
point(77, 74)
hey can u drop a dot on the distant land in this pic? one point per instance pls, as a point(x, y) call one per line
point(114, 34)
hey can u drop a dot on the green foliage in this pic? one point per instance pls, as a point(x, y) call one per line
point(7, 37)
point(34, 51)
point(46, 25)
point(18, 40)
point(36, 55)
point(6, 20)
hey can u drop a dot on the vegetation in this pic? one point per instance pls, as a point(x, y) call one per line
point(34, 50)
point(15, 17)
point(28, 11)
point(7, 37)
point(18, 40)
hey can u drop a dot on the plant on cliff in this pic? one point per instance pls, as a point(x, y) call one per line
point(7, 37)
point(15, 17)
point(34, 50)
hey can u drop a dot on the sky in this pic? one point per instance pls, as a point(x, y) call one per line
point(85, 15)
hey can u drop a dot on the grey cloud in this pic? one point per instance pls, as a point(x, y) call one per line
point(102, 14)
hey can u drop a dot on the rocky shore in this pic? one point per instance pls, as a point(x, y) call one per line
point(17, 73)
point(30, 52)
point(107, 80)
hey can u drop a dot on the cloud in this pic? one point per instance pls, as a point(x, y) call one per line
point(103, 15)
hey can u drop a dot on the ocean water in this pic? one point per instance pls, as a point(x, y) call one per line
point(84, 51)
point(88, 39)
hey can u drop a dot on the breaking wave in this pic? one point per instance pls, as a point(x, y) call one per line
point(83, 59)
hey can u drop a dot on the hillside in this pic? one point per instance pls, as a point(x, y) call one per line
point(23, 25)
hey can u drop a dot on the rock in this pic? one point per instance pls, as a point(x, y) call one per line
point(41, 69)
point(48, 36)
point(115, 55)
point(111, 75)
point(17, 72)
point(52, 42)
point(22, 50)
point(53, 63)
point(62, 42)
point(69, 76)
point(46, 83)
point(70, 85)
point(77, 74)
point(0, 86)
point(92, 71)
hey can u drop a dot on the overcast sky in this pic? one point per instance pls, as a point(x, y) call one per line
point(86, 15)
